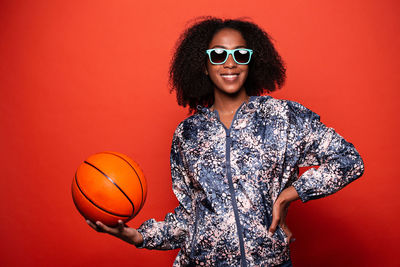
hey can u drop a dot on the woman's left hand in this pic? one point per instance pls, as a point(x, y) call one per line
point(279, 212)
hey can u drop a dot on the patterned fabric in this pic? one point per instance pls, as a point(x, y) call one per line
point(226, 181)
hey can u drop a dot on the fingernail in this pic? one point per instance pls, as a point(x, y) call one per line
point(270, 234)
point(87, 221)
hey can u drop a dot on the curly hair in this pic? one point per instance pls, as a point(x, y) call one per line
point(187, 71)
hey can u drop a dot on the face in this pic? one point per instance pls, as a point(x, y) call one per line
point(229, 77)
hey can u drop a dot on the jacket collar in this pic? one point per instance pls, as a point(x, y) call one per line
point(251, 106)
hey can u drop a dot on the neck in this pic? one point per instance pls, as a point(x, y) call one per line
point(228, 103)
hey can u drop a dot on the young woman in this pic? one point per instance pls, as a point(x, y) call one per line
point(234, 163)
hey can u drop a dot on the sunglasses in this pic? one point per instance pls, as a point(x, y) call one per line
point(219, 56)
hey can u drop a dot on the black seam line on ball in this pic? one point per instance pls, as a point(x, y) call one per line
point(91, 201)
point(133, 206)
point(141, 186)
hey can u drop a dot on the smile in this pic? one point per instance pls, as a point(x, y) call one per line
point(230, 77)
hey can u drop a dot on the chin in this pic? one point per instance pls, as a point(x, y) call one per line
point(231, 90)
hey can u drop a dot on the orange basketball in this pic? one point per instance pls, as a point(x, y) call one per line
point(108, 187)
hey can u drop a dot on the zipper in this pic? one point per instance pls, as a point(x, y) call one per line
point(195, 229)
point(231, 188)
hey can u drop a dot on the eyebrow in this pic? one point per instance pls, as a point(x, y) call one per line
point(221, 46)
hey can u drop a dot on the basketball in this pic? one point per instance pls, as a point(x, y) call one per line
point(108, 187)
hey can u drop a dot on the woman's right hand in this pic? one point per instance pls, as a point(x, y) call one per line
point(123, 232)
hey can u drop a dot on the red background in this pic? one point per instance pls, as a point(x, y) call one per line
point(79, 77)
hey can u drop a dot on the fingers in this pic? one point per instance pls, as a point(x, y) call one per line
point(105, 228)
point(275, 221)
point(94, 226)
point(102, 228)
point(273, 226)
point(121, 226)
point(121, 231)
point(289, 236)
point(278, 214)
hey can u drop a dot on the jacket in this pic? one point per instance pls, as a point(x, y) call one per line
point(226, 181)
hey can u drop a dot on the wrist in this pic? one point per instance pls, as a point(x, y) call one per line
point(288, 195)
point(138, 240)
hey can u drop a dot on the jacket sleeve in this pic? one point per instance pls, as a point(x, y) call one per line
point(170, 233)
point(338, 160)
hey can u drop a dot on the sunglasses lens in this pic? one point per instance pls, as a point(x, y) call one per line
point(242, 56)
point(218, 56)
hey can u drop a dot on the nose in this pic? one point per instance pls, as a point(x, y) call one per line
point(230, 63)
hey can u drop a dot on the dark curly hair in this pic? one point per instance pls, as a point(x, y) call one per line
point(187, 71)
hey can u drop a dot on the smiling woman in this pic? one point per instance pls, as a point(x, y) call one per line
point(235, 162)
point(228, 77)
point(193, 61)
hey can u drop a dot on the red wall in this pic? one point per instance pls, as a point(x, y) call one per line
point(79, 77)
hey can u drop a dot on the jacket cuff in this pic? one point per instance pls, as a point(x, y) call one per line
point(142, 232)
point(305, 185)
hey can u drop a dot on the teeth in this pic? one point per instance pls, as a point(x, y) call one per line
point(230, 75)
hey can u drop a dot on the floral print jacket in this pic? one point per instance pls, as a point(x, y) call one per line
point(226, 181)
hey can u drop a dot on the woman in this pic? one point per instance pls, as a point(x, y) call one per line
point(234, 163)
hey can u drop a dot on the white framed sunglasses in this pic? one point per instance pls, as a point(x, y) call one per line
point(218, 56)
